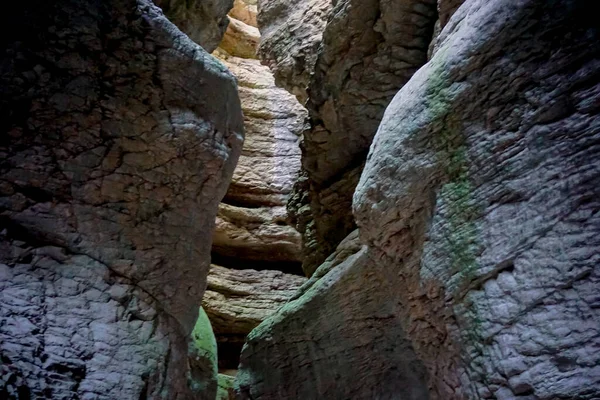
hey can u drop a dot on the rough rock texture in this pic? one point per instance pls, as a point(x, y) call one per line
point(368, 50)
point(112, 164)
point(204, 21)
point(240, 39)
point(245, 11)
point(273, 120)
point(328, 343)
point(236, 301)
point(479, 209)
point(291, 33)
point(226, 388)
point(252, 235)
point(202, 355)
point(252, 225)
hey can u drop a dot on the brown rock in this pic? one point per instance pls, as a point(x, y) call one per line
point(236, 301)
point(241, 39)
point(255, 234)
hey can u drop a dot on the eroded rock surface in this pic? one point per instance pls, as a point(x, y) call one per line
point(351, 67)
point(478, 208)
point(204, 21)
point(112, 166)
point(238, 300)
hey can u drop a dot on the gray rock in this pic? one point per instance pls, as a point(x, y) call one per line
point(352, 66)
point(205, 22)
point(482, 187)
point(112, 167)
point(478, 212)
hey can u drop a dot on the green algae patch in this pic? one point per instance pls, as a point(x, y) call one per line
point(226, 387)
point(202, 356)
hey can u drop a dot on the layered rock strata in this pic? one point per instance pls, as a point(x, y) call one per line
point(348, 61)
point(112, 165)
point(478, 215)
point(256, 250)
point(205, 22)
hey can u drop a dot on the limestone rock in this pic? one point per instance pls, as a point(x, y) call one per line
point(352, 66)
point(252, 226)
point(488, 191)
point(245, 11)
point(226, 391)
point(240, 39)
point(112, 165)
point(274, 121)
point(202, 355)
point(478, 208)
point(236, 301)
point(291, 33)
point(205, 22)
point(328, 343)
point(255, 234)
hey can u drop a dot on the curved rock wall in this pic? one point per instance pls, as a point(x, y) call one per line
point(348, 62)
point(112, 165)
point(478, 213)
point(256, 250)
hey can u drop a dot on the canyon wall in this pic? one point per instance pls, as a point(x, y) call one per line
point(119, 138)
point(474, 270)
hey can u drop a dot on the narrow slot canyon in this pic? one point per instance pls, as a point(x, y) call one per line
point(300, 200)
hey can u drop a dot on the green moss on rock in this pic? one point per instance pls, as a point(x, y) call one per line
point(226, 387)
point(202, 355)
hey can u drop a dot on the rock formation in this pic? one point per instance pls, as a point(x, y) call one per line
point(119, 138)
point(205, 22)
point(478, 218)
point(349, 68)
point(256, 251)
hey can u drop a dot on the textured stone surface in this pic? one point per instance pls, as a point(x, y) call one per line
point(479, 210)
point(112, 164)
point(291, 32)
point(236, 301)
point(245, 11)
point(204, 21)
point(240, 39)
point(202, 355)
point(226, 391)
point(352, 67)
point(273, 120)
point(328, 343)
point(255, 234)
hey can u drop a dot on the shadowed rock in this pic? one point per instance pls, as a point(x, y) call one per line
point(112, 165)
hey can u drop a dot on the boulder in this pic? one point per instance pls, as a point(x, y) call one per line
point(112, 165)
point(478, 212)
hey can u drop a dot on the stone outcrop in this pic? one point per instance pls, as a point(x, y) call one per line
point(256, 249)
point(478, 211)
point(350, 67)
point(291, 33)
point(236, 301)
point(205, 22)
point(119, 138)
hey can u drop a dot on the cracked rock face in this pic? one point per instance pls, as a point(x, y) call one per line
point(112, 167)
point(236, 301)
point(478, 211)
point(351, 59)
point(204, 21)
